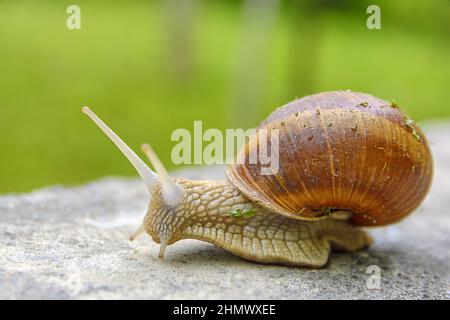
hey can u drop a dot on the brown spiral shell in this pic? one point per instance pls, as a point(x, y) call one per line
point(340, 150)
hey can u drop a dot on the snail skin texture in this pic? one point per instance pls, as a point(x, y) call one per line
point(347, 160)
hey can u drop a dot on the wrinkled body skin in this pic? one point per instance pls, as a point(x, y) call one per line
point(265, 237)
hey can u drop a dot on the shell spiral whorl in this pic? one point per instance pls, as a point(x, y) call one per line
point(341, 150)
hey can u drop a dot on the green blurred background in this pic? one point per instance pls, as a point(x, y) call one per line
point(150, 67)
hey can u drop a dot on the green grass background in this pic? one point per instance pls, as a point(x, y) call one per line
point(121, 63)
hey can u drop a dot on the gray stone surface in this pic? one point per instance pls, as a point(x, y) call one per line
point(71, 243)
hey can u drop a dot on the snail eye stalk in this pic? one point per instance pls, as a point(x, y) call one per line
point(172, 192)
point(148, 176)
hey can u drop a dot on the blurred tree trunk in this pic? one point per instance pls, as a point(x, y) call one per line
point(180, 15)
point(250, 73)
point(304, 46)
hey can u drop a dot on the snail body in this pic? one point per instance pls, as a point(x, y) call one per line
point(264, 237)
point(346, 159)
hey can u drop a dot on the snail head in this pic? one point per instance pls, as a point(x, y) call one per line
point(166, 195)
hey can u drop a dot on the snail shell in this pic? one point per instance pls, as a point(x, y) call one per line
point(340, 150)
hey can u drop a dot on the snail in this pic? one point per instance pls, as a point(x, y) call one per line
point(347, 160)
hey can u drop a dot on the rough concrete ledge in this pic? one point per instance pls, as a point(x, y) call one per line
point(71, 243)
